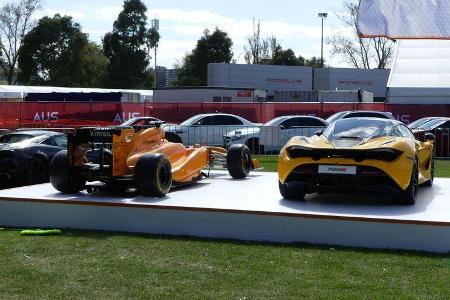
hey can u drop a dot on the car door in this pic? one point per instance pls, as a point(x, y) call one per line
point(223, 125)
point(198, 131)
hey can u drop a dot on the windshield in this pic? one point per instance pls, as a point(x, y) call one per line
point(336, 116)
point(14, 138)
point(357, 129)
point(189, 121)
point(275, 121)
point(430, 124)
point(419, 122)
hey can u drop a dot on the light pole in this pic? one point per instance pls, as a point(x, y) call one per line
point(322, 16)
point(155, 26)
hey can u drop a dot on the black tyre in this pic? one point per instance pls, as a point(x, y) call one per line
point(153, 175)
point(37, 171)
point(239, 161)
point(292, 190)
point(408, 196)
point(62, 177)
point(430, 181)
point(172, 137)
point(253, 146)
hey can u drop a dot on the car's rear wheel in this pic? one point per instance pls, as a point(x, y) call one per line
point(37, 171)
point(408, 196)
point(153, 175)
point(62, 177)
point(430, 181)
point(239, 161)
point(292, 190)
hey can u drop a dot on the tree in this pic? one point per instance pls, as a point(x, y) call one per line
point(15, 22)
point(126, 47)
point(362, 53)
point(257, 50)
point(94, 65)
point(284, 57)
point(314, 62)
point(52, 53)
point(210, 48)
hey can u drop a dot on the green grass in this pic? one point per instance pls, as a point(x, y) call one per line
point(113, 265)
point(269, 163)
point(103, 265)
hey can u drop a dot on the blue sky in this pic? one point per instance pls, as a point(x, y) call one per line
point(294, 23)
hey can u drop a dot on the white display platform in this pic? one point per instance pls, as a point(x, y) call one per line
point(251, 209)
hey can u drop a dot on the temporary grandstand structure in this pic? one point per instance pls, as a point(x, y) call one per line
point(420, 73)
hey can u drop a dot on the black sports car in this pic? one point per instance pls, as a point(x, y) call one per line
point(25, 156)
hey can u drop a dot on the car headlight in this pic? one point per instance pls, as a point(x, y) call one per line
point(236, 137)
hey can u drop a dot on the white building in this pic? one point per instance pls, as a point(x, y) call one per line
point(265, 77)
point(373, 80)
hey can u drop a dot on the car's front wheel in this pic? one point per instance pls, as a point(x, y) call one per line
point(239, 161)
point(153, 175)
point(430, 181)
point(292, 190)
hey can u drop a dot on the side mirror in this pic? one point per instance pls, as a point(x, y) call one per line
point(429, 137)
point(282, 127)
point(318, 132)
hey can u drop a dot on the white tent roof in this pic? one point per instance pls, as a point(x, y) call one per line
point(420, 72)
point(49, 89)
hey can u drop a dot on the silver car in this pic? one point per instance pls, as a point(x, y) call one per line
point(273, 135)
point(206, 129)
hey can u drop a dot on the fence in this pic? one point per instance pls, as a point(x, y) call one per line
point(60, 114)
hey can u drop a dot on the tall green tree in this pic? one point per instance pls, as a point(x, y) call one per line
point(211, 48)
point(126, 48)
point(95, 65)
point(52, 53)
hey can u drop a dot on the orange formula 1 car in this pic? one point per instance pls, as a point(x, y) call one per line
point(140, 157)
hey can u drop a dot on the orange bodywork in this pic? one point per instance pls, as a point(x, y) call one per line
point(187, 162)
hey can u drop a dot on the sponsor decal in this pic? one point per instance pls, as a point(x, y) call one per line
point(356, 82)
point(281, 80)
point(99, 133)
point(46, 116)
point(122, 117)
point(150, 142)
point(246, 94)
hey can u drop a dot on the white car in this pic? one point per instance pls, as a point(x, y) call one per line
point(206, 129)
point(272, 136)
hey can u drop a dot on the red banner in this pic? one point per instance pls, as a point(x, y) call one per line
point(50, 114)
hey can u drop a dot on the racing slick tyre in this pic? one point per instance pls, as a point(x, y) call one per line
point(62, 177)
point(239, 161)
point(408, 196)
point(292, 190)
point(37, 171)
point(153, 175)
point(430, 181)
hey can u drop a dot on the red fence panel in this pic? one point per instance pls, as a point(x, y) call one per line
point(49, 114)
